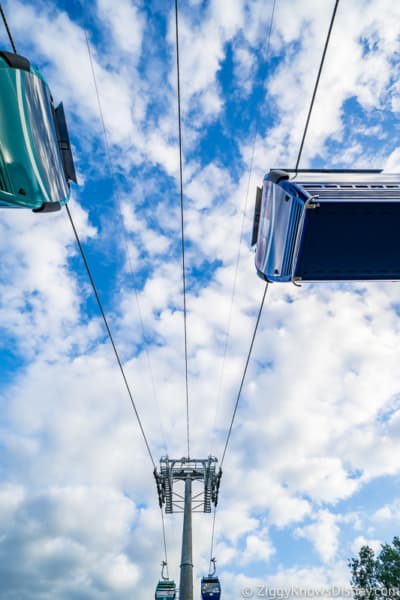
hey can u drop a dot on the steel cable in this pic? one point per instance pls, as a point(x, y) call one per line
point(182, 226)
point(164, 541)
point(316, 86)
point(221, 376)
point(244, 373)
point(297, 164)
point(10, 37)
point(128, 254)
point(100, 305)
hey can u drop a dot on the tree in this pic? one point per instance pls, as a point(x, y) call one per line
point(377, 577)
point(388, 565)
point(363, 573)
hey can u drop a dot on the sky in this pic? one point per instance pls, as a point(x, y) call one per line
point(312, 472)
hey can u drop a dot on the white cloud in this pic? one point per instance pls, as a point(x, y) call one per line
point(362, 541)
point(119, 574)
point(323, 533)
point(257, 549)
point(388, 512)
point(317, 418)
point(127, 25)
point(244, 63)
point(11, 497)
point(393, 162)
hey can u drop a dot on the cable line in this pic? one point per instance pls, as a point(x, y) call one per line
point(297, 164)
point(10, 37)
point(316, 85)
point(244, 373)
point(182, 225)
point(164, 541)
point(96, 294)
point(103, 124)
point(233, 294)
point(128, 254)
point(100, 305)
point(212, 533)
point(267, 55)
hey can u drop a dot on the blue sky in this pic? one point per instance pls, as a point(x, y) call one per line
point(312, 471)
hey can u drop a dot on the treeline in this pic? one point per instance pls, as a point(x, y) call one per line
point(377, 576)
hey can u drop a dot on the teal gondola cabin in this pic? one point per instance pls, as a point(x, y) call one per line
point(36, 161)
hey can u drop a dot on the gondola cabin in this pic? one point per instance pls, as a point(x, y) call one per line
point(165, 590)
point(210, 588)
point(327, 226)
point(36, 161)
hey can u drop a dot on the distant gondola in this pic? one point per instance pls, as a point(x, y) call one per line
point(327, 226)
point(210, 588)
point(210, 585)
point(36, 161)
point(165, 590)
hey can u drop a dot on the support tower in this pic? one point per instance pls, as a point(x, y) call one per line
point(187, 470)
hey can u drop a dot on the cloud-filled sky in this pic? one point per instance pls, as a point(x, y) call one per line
point(312, 471)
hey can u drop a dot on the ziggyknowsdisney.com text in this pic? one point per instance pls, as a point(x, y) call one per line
point(285, 593)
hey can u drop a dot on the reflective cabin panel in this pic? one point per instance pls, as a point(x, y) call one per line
point(32, 154)
point(328, 226)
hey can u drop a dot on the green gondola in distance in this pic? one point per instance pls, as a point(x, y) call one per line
point(165, 590)
point(36, 162)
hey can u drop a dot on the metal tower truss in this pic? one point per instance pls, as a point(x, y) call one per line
point(203, 471)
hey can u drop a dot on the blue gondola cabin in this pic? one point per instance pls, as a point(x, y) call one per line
point(210, 588)
point(327, 226)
